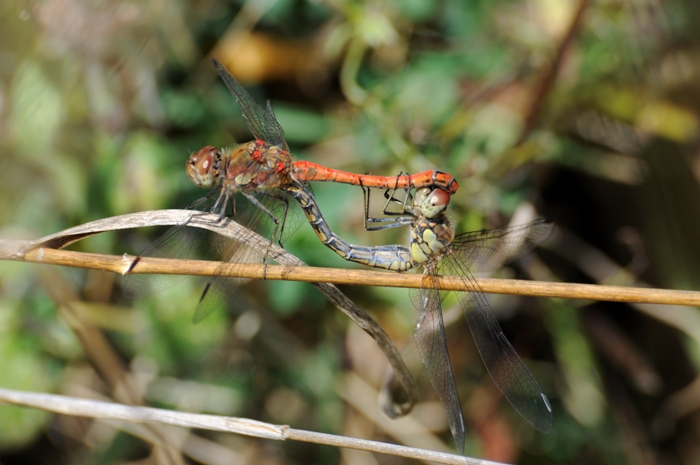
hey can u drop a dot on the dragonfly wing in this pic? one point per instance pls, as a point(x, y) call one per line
point(179, 242)
point(429, 335)
point(507, 370)
point(185, 242)
point(220, 290)
point(261, 121)
point(487, 250)
point(274, 129)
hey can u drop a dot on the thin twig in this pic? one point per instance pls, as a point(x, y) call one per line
point(40, 251)
point(111, 411)
point(146, 265)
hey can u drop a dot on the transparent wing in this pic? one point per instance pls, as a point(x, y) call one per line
point(220, 290)
point(184, 242)
point(261, 121)
point(507, 370)
point(261, 219)
point(179, 242)
point(488, 250)
point(429, 335)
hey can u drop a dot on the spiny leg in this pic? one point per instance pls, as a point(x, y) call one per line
point(223, 194)
point(399, 219)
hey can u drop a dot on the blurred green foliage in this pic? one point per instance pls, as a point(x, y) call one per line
point(102, 102)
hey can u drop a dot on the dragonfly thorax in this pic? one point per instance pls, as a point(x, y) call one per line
point(257, 165)
point(204, 166)
point(430, 238)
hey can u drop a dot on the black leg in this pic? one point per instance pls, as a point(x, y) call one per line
point(271, 215)
point(377, 224)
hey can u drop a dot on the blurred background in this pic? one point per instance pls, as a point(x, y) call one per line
point(585, 110)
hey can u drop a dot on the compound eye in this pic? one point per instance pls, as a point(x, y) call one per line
point(202, 167)
point(420, 197)
point(435, 203)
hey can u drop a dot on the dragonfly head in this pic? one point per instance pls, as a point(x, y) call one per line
point(204, 166)
point(431, 203)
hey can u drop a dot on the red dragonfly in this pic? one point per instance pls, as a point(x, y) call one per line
point(266, 164)
point(266, 174)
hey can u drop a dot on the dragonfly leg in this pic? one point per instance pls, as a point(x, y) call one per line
point(389, 196)
point(201, 200)
point(262, 207)
point(224, 202)
point(377, 224)
point(233, 206)
point(279, 226)
point(213, 209)
point(406, 203)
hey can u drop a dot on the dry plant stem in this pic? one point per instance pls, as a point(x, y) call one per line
point(39, 251)
point(110, 411)
point(119, 264)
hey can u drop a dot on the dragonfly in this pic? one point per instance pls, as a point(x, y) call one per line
point(266, 162)
point(264, 172)
point(435, 250)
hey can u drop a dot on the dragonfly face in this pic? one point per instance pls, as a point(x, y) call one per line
point(431, 203)
point(204, 166)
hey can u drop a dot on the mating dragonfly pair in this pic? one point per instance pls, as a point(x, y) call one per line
point(264, 172)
